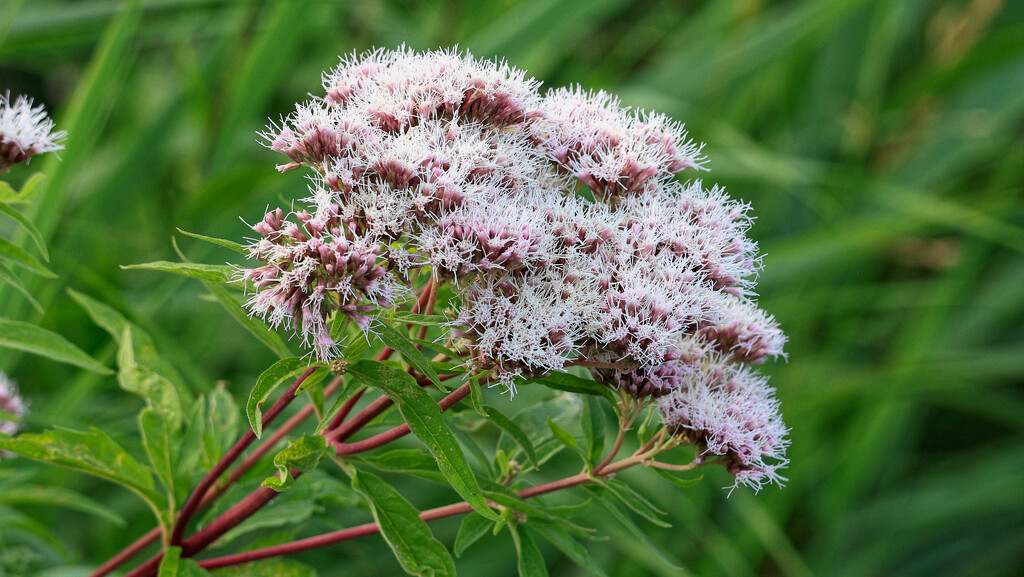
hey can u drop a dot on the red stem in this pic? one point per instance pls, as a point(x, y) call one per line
point(399, 431)
point(371, 528)
point(265, 447)
point(192, 504)
point(217, 490)
point(343, 413)
point(128, 552)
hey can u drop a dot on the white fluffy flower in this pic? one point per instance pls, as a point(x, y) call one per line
point(730, 411)
point(437, 160)
point(25, 131)
point(11, 406)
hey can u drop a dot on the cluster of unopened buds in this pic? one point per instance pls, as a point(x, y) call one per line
point(25, 131)
point(556, 219)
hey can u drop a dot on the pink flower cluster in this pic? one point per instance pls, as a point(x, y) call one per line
point(731, 412)
point(11, 405)
point(440, 162)
point(25, 131)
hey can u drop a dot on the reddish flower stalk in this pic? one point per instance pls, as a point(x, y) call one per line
point(399, 431)
point(428, 516)
point(217, 490)
point(128, 552)
point(192, 504)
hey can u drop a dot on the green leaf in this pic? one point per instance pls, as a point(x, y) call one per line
point(437, 348)
point(172, 565)
point(684, 483)
point(156, 439)
point(217, 273)
point(592, 423)
point(414, 545)
point(476, 398)
point(418, 319)
point(222, 416)
point(573, 384)
point(288, 369)
point(571, 547)
point(302, 454)
point(217, 241)
point(25, 223)
point(355, 346)
point(101, 314)
point(531, 562)
point(269, 568)
point(409, 352)
point(341, 398)
point(630, 526)
point(564, 437)
point(157, 391)
point(8, 276)
point(146, 355)
point(32, 339)
point(472, 529)
point(15, 254)
point(190, 449)
point(60, 497)
point(512, 430)
point(411, 462)
point(626, 495)
point(503, 496)
point(426, 422)
point(256, 327)
point(93, 453)
point(7, 194)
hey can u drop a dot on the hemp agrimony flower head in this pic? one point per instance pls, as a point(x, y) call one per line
point(730, 412)
point(440, 163)
point(25, 131)
point(12, 408)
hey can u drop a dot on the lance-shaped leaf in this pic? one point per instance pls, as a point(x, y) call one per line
point(573, 384)
point(32, 339)
point(217, 241)
point(639, 504)
point(218, 273)
point(94, 453)
point(531, 562)
point(302, 454)
point(426, 422)
point(172, 565)
point(570, 546)
point(158, 392)
point(222, 423)
point(684, 483)
point(512, 430)
point(8, 276)
point(50, 496)
point(156, 439)
point(566, 438)
point(37, 237)
point(410, 462)
point(472, 529)
point(414, 545)
point(592, 423)
point(630, 526)
point(284, 370)
point(418, 319)
point(503, 496)
point(409, 352)
point(14, 254)
point(112, 321)
point(256, 327)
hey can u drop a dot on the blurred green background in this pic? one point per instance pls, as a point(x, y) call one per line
point(881, 143)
